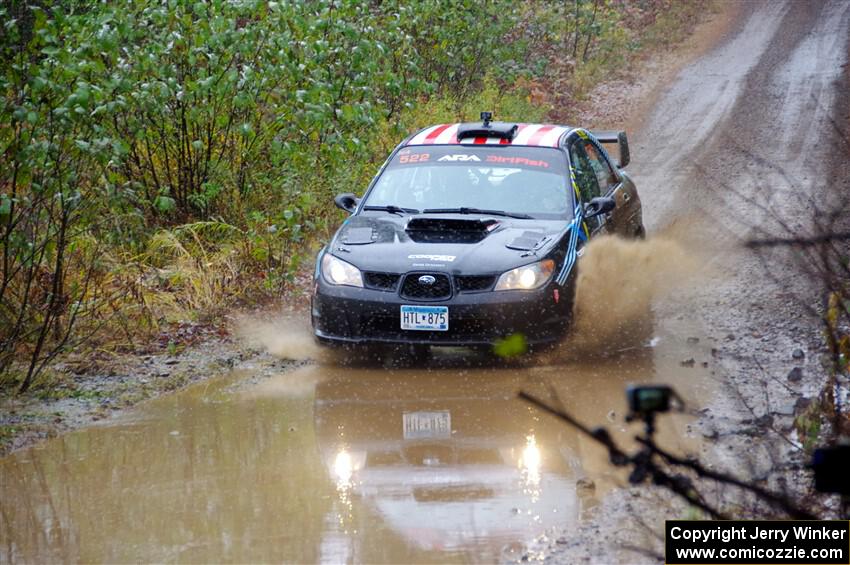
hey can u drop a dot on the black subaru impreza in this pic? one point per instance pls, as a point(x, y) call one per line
point(470, 233)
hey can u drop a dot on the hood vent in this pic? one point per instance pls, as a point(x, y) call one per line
point(528, 241)
point(358, 236)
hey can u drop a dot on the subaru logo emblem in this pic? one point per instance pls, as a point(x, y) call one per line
point(427, 280)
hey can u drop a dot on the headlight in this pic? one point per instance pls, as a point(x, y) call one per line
point(527, 277)
point(337, 271)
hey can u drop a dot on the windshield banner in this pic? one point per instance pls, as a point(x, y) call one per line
point(502, 156)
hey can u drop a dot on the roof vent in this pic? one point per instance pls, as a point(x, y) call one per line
point(487, 128)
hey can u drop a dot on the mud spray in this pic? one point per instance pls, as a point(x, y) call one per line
point(287, 337)
point(618, 281)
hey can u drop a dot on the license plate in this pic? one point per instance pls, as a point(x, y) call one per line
point(427, 425)
point(430, 318)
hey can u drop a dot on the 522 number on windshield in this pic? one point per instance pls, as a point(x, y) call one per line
point(414, 158)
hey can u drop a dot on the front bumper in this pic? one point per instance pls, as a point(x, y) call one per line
point(348, 315)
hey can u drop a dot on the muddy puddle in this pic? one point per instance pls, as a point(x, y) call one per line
point(337, 464)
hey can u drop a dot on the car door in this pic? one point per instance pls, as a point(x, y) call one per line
point(588, 182)
point(613, 185)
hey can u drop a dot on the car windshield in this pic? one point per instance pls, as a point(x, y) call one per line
point(515, 181)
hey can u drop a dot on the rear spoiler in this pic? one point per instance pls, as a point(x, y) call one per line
point(618, 137)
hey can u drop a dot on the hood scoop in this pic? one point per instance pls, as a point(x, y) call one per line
point(431, 223)
point(429, 229)
point(358, 236)
point(528, 241)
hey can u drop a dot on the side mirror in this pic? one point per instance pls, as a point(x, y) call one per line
point(625, 157)
point(346, 201)
point(620, 139)
point(599, 205)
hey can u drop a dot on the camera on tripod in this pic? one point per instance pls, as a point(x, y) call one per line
point(644, 400)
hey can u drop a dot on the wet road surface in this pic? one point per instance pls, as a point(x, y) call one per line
point(755, 129)
point(332, 464)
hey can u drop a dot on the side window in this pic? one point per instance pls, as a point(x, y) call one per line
point(588, 184)
point(605, 175)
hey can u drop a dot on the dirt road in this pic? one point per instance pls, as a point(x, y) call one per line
point(438, 463)
point(748, 141)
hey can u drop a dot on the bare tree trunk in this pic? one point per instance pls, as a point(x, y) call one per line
point(576, 32)
point(55, 305)
point(590, 31)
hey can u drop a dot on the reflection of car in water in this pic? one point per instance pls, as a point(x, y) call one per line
point(447, 462)
point(470, 233)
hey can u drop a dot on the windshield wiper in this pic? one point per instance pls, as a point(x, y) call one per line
point(464, 210)
point(392, 209)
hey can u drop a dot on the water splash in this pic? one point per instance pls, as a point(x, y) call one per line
point(618, 281)
point(288, 337)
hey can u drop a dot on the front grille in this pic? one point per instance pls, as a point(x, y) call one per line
point(381, 281)
point(414, 289)
point(474, 283)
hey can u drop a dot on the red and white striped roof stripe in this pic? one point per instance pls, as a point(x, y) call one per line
point(541, 135)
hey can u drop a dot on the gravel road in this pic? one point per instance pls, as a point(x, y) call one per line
point(745, 142)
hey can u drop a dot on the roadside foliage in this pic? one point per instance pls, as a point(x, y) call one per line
point(167, 161)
